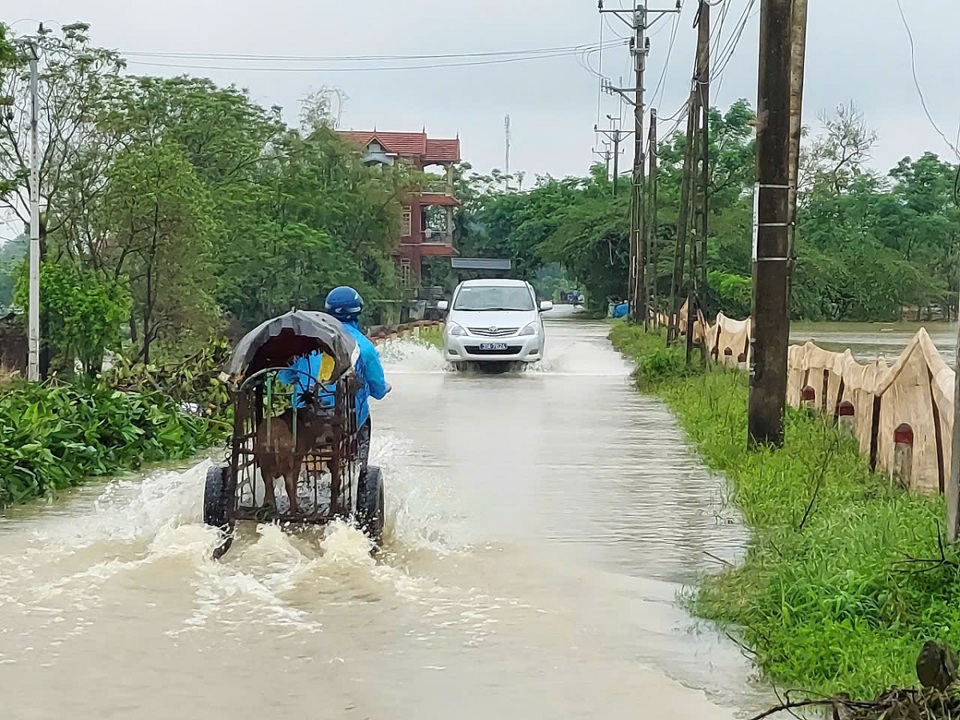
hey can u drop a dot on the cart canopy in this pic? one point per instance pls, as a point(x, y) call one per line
point(276, 342)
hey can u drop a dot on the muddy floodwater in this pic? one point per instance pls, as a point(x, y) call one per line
point(541, 526)
point(868, 341)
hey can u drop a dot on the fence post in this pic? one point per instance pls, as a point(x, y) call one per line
point(903, 455)
point(847, 416)
point(808, 398)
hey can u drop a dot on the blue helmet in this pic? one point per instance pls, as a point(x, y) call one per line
point(344, 303)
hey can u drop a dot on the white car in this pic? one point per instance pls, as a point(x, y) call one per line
point(493, 322)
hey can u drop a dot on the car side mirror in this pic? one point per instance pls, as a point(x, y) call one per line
point(546, 305)
point(443, 306)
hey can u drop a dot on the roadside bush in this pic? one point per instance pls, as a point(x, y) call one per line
point(54, 436)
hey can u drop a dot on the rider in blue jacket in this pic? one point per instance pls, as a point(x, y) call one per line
point(344, 303)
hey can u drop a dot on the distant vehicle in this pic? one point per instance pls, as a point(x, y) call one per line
point(493, 324)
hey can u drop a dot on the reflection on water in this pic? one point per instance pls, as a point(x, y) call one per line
point(868, 341)
point(540, 527)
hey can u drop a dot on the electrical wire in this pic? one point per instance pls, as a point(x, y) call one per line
point(916, 81)
point(661, 84)
point(347, 58)
point(733, 42)
point(488, 60)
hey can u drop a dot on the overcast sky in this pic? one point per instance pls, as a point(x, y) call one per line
point(857, 50)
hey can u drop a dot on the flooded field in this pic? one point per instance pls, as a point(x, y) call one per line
point(868, 341)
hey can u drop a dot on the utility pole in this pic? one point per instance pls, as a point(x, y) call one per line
point(653, 224)
point(638, 21)
point(605, 155)
point(640, 49)
point(797, 56)
point(614, 135)
point(683, 219)
point(698, 249)
point(506, 159)
point(771, 316)
point(33, 310)
point(952, 490)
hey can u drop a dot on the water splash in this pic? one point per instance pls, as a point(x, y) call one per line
point(581, 358)
point(405, 356)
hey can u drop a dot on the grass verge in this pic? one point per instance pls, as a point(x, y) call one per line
point(828, 597)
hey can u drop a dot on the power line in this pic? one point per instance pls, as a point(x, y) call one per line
point(916, 81)
point(661, 86)
point(351, 58)
point(379, 68)
point(733, 42)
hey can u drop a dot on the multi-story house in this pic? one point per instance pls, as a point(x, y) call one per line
point(427, 224)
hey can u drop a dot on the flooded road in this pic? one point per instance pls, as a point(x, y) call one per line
point(540, 528)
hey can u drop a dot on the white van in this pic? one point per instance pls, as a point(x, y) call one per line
point(493, 321)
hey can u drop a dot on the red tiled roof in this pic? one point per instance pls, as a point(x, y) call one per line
point(408, 144)
point(443, 150)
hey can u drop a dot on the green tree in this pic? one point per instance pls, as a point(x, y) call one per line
point(85, 311)
point(158, 218)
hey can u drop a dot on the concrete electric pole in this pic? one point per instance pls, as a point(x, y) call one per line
point(638, 21)
point(652, 220)
point(700, 144)
point(771, 261)
point(615, 136)
point(33, 310)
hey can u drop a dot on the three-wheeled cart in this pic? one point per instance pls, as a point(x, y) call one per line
point(294, 455)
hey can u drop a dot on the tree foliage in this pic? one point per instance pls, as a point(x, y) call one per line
point(199, 202)
point(85, 311)
point(867, 245)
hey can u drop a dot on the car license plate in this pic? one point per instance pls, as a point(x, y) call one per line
point(493, 346)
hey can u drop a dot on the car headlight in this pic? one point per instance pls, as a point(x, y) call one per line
point(455, 330)
point(531, 329)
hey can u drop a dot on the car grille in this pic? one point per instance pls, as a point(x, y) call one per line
point(475, 350)
point(491, 332)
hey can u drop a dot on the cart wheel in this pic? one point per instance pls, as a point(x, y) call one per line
point(370, 504)
point(215, 506)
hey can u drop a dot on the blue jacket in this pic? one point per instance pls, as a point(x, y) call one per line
point(305, 371)
point(369, 370)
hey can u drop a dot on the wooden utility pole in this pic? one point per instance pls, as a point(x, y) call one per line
point(771, 306)
point(653, 222)
point(697, 285)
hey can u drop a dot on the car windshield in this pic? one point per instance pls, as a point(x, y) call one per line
point(493, 297)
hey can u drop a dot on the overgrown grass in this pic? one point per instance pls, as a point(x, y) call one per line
point(826, 597)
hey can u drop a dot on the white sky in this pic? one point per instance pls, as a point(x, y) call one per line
point(857, 50)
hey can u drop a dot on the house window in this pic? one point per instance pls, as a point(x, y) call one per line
point(406, 219)
point(405, 272)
